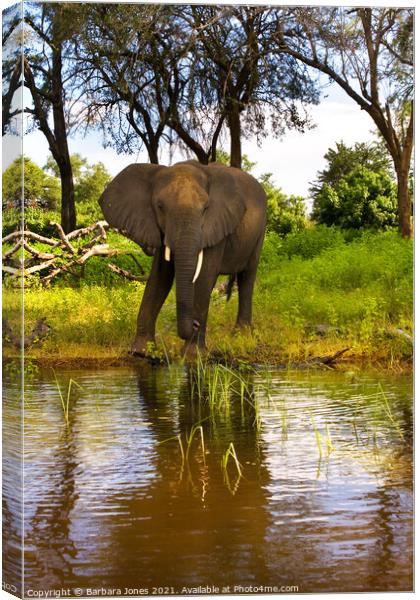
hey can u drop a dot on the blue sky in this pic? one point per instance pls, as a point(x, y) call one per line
point(293, 160)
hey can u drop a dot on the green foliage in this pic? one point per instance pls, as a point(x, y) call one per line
point(285, 214)
point(91, 183)
point(361, 199)
point(36, 219)
point(307, 244)
point(342, 160)
point(359, 291)
point(90, 180)
point(356, 189)
point(224, 158)
point(42, 194)
point(78, 163)
point(39, 189)
point(366, 281)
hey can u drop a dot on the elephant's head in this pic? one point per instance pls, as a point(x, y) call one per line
point(180, 210)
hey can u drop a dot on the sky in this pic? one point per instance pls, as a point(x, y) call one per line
point(294, 160)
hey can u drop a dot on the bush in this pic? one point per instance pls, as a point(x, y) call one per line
point(356, 190)
point(342, 278)
point(285, 214)
point(312, 241)
point(39, 189)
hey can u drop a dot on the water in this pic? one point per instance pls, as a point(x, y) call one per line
point(324, 501)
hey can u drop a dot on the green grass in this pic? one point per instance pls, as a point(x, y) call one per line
point(359, 292)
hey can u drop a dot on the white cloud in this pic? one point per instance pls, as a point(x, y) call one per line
point(295, 160)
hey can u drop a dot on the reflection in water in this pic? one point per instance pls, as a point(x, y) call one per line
point(12, 485)
point(131, 491)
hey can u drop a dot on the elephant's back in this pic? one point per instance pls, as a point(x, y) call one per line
point(242, 244)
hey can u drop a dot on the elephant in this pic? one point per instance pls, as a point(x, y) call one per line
point(198, 221)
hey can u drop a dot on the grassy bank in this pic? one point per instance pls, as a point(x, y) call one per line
point(317, 292)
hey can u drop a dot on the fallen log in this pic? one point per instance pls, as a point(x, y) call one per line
point(29, 234)
point(328, 361)
point(63, 237)
point(101, 225)
point(15, 248)
point(67, 256)
point(127, 274)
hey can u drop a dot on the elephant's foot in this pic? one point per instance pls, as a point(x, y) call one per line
point(191, 351)
point(142, 345)
point(243, 327)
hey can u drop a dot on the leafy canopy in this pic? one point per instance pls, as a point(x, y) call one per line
point(89, 179)
point(39, 189)
point(356, 189)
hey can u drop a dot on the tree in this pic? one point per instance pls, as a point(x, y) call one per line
point(141, 60)
point(362, 198)
point(92, 183)
point(285, 214)
point(193, 70)
point(11, 65)
point(241, 79)
point(47, 75)
point(118, 83)
point(368, 52)
point(90, 179)
point(223, 157)
point(78, 164)
point(343, 159)
point(39, 189)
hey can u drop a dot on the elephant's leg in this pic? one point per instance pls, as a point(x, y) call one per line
point(202, 295)
point(246, 281)
point(157, 289)
point(202, 292)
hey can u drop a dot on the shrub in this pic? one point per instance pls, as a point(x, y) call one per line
point(312, 241)
point(39, 189)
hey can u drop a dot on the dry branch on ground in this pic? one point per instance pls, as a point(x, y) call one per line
point(16, 265)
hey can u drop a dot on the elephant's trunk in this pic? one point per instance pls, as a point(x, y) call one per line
point(186, 262)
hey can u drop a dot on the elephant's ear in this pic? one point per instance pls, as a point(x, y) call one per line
point(226, 204)
point(127, 204)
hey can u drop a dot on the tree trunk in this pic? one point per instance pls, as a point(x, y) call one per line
point(62, 156)
point(234, 123)
point(61, 148)
point(190, 142)
point(404, 202)
point(14, 84)
point(152, 150)
point(68, 210)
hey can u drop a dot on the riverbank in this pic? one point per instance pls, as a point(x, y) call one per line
point(313, 297)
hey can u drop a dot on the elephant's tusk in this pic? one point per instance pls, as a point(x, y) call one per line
point(198, 268)
point(167, 253)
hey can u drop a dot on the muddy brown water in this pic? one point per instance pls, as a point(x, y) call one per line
point(323, 502)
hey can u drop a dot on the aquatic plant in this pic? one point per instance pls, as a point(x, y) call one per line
point(317, 436)
point(231, 454)
point(65, 401)
point(190, 437)
point(330, 446)
point(389, 414)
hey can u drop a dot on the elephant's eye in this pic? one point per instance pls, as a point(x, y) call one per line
point(205, 208)
point(160, 205)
